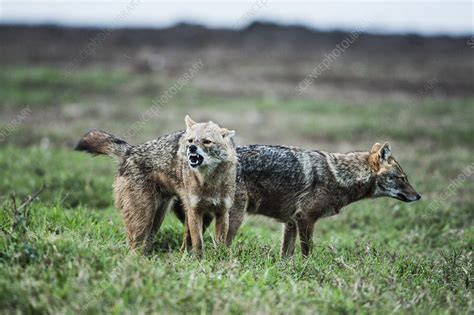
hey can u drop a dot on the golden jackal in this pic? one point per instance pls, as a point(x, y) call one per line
point(198, 166)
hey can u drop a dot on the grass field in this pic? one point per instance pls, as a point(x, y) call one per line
point(67, 252)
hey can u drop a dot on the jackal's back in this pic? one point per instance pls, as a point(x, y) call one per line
point(155, 160)
point(277, 178)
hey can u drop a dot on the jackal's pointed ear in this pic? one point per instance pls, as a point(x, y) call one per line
point(379, 154)
point(227, 133)
point(385, 151)
point(375, 148)
point(189, 122)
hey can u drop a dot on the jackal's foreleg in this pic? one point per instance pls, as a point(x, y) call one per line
point(194, 220)
point(222, 227)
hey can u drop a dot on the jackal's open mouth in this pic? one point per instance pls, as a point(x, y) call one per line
point(195, 159)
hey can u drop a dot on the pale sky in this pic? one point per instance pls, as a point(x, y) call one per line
point(423, 17)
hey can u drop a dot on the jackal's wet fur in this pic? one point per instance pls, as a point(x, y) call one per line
point(154, 175)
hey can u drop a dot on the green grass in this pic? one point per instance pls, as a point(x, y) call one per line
point(77, 260)
point(71, 179)
point(68, 254)
point(49, 86)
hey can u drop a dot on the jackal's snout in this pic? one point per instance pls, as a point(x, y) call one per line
point(194, 157)
point(407, 193)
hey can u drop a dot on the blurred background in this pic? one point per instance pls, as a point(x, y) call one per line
point(79, 65)
point(321, 75)
point(327, 75)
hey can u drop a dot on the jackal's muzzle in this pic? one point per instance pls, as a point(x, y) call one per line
point(408, 197)
point(194, 158)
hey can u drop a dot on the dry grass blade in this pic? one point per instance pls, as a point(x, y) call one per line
point(30, 199)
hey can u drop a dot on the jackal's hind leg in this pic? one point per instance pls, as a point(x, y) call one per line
point(162, 205)
point(305, 231)
point(235, 221)
point(138, 202)
point(236, 215)
point(289, 239)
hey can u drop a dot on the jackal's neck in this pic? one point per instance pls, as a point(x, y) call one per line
point(209, 176)
point(354, 178)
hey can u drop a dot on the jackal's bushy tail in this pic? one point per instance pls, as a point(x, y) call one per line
point(101, 142)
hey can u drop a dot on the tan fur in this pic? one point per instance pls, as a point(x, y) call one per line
point(374, 157)
point(209, 188)
point(156, 174)
point(139, 204)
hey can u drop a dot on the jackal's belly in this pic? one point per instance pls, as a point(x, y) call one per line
point(211, 204)
point(274, 208)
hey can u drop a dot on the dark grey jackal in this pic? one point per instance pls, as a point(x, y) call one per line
point(297, 187)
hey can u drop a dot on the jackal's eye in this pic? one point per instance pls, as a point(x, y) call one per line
point(190, 140)
point(206, 141)
point(398, 178)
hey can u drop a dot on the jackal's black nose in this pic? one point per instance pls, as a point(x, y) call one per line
point(192, 148)
point(418, 196)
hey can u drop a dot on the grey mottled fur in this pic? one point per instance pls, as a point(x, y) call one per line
point(297, 187)
point(294, 186)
